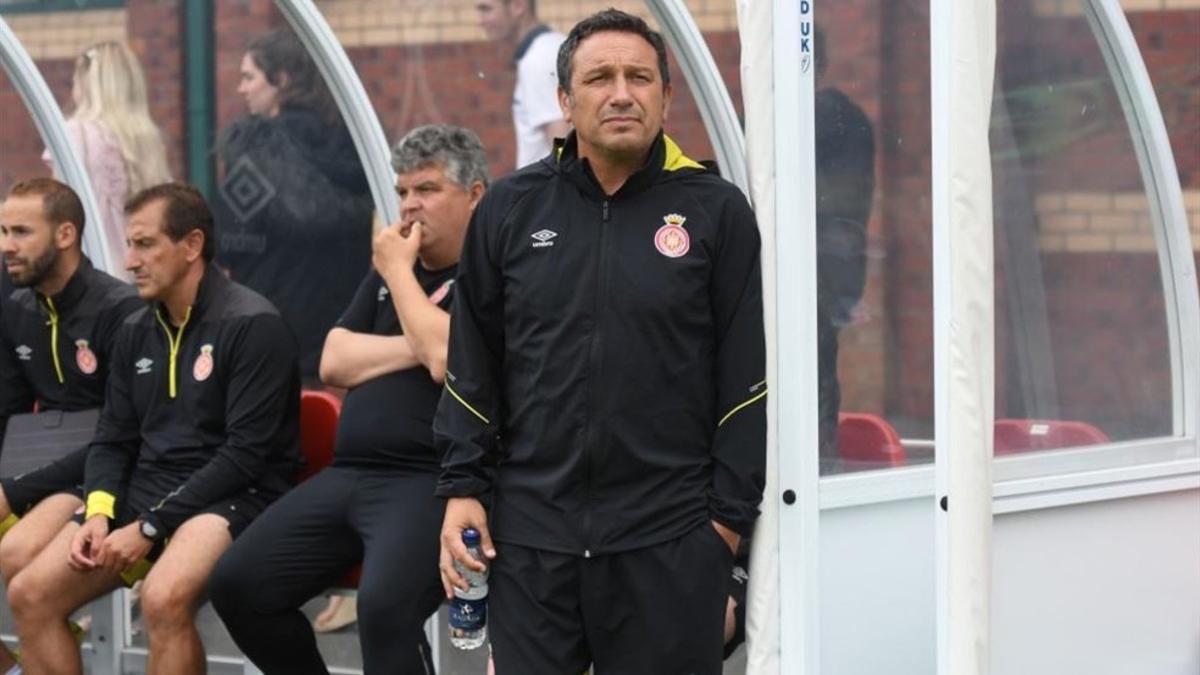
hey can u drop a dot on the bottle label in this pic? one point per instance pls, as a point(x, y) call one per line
point(468, 615)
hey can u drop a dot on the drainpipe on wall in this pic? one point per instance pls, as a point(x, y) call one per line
point(198, 94)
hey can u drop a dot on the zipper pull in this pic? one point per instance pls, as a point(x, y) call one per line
point(605, 210)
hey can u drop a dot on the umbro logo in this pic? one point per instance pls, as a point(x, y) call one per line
point(24, 353)
point(143, 366)
point(542, 238)
point(383, 293)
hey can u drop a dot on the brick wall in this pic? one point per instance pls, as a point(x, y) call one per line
point(63, 35)
point(426, 60)
point(55, 39)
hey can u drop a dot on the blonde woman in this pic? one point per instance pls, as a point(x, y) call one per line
point(111, 129)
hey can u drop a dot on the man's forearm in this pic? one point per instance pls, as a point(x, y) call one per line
point(350, 358)
point(426, 325)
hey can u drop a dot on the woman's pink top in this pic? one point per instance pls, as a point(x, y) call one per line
point(105, 166)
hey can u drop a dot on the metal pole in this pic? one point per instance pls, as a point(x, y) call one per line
point(198, 69)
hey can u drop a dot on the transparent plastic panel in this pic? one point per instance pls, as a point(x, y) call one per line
point(875, 336)
point(875, 284)
point(114, 112)
point(1168, 39)
point(293, 207)
point(20, 145)
point(1082, 347)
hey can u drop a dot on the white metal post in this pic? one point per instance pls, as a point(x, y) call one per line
point(107, 633)
point(795, 388)
point(962, 61)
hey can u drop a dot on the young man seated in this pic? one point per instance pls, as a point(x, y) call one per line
point(55, 343)
point(375, 505)
point(198, 434)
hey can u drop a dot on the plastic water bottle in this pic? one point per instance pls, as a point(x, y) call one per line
point(468, 610)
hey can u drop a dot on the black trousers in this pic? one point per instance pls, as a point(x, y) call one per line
point(23, 492)
point(307, 541)
point(659, 610)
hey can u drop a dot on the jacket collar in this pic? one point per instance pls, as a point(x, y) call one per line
point(212, 286)
point(76, 288)
point(664, 157)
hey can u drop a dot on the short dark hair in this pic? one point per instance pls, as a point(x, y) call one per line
point(609, 20)
point(60, 204)
point(186, 211)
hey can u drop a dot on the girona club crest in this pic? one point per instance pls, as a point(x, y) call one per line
point(203, 367)
point(671, 239)
point(85, 358)
point(442, 291)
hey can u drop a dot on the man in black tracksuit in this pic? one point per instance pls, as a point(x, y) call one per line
point(375, 505)
point(55, 343)
point(605, 389)
point(199, 432)
point(54, 349)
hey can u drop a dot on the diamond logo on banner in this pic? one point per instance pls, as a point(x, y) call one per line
point(246, 189)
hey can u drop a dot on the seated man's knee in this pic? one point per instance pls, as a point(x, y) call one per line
point(31, 598)
point(165, 603)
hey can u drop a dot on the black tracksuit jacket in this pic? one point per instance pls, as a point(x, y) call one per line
point(56, 349)
point(214, 402)
point(606, 386)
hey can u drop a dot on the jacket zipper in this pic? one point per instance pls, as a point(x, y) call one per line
point(53, 323)
point(597, 343)
point(174, 341)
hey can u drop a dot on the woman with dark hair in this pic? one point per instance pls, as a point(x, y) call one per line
point(295, 214)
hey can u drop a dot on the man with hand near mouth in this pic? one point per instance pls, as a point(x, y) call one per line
point(375, 505)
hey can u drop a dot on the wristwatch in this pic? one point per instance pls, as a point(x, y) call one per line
point(149, 529)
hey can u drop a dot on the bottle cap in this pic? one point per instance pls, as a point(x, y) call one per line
point(471, 537)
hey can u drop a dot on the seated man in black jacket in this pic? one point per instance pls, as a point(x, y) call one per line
point(55, 343)
point(199, 432)
point(375, 505)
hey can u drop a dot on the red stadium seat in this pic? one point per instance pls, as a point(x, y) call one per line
point(863, 437)
point(1013, 436)
point(319, 411)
